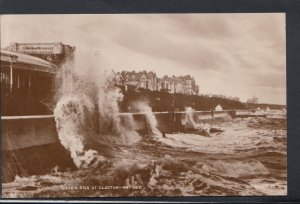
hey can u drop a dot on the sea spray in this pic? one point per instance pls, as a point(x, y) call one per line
point(74, 119)
point(108, 103)
point(72, 115)
point(64, 80)
point(190, 123)
point(110, 122)
point(151, 121)
point(128, 129)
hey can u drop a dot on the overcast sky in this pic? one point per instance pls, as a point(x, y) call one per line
point(239, 55)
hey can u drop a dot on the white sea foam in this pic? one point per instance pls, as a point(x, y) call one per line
point(270, 187)
point(237, 168)
point(235, 138)
point(150, 118)
point(72, 115)
point(189, 121)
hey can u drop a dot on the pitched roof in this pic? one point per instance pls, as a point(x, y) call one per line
point(150, 75)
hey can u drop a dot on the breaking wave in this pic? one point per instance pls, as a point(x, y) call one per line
point(82, 119)
point(151, 122)
point(191, 121)
point(73, 116)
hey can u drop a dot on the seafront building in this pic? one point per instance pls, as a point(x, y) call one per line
point(149, 80)
point(55, 53)
point(146, 80)
point(28, 72)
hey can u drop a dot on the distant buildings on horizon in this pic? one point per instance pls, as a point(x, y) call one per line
point(225, 97)
point(253, 100)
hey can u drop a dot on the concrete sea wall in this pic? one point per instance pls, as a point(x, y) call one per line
point(18, 133)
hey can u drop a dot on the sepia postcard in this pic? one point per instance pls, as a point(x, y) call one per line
point(127, 105)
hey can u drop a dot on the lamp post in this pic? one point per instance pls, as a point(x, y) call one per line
point(11, 75)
